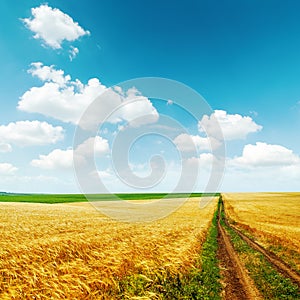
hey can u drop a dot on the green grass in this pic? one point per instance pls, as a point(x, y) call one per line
point(288, 255)
point(42, 198)
point(66, 198)
point(271, 284)
point(201, 282)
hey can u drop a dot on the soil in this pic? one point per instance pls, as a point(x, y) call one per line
point(237, 285)
point(235, 279)
point(278, 263)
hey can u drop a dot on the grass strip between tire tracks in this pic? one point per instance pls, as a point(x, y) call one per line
point(271, 284)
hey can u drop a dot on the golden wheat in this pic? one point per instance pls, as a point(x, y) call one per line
point(272, 218)
point(71, 251)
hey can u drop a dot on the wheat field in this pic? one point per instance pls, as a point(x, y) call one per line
point(272, 218)
point(72, 251)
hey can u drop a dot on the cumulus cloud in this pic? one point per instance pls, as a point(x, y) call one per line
point(29, 133)
point(66, 100)
point(63, 159)
point(233, 126)
point(5, 147)
point(97, 145)
point(53, 26)
point(49, 74)
point(57, 159)
point(7, 169)
point(134, 108)
point(190, 143)
point(265, 155)
point(59, 97)
point(263, 167)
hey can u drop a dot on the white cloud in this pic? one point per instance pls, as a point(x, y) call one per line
point(63, 103)
point(59, 97)
point(135, 109)
point(49, 74)
point(29, 133)
point(57, 159)
point(189, 143)
point(53, 26)
point(66, 100)
point(233, 126)
point(4, 147)
point(204, 160)
point(97, 145)
point(73, 52)
point(63, 159)
point(263, 167)
point(7, 169)
point(265, 155)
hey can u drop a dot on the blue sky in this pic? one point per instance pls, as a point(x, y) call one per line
point(241, 56)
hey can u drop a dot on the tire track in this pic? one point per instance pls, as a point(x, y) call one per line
point(236, 281)
point(271, 257)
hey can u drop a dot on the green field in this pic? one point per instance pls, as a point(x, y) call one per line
point(67, 198)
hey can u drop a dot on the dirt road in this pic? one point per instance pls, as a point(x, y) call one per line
point(236, 281)
point(237, 285)
point(278, 263)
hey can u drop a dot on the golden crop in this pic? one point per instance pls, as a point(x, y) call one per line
point(272, 218)
point(72, 251)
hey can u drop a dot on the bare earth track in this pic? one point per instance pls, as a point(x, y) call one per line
point(237, 283)
point(278, 263)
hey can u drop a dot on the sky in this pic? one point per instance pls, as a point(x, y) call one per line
point(75, 116)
